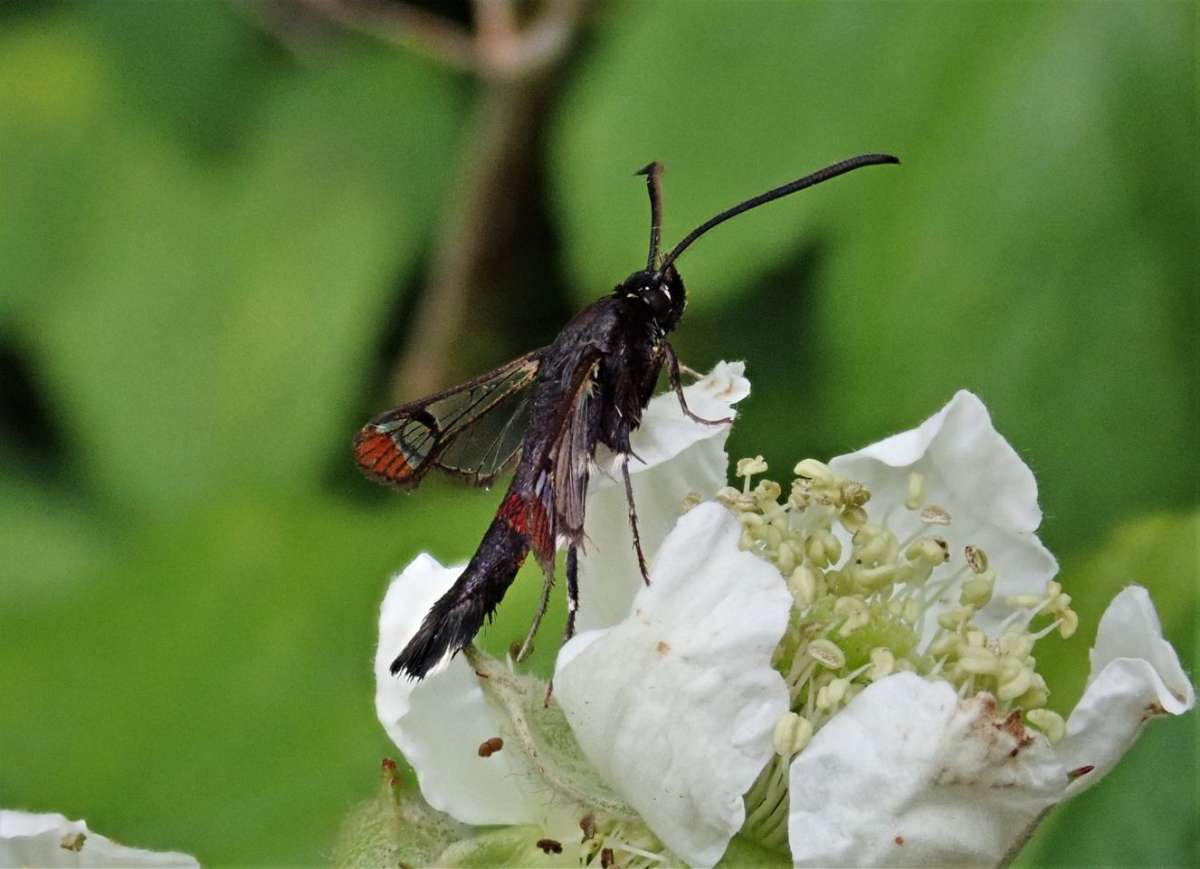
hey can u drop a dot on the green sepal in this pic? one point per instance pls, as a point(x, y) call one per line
point(509, 846)
point(744, 852)
point(534, 724)
point(396, 827)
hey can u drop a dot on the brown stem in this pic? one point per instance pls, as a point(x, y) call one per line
point(481, 208)
point(515, 65)
point(500, 153)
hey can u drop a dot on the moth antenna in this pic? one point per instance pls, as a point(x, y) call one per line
point(763, 198)
point(653, 173)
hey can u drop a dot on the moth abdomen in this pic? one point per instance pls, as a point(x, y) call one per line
point(458, 615)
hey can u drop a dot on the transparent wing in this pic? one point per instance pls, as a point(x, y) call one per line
point(572, 452)
point(491, 444)
point(473, 431)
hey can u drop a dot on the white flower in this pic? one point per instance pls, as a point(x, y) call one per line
point(676, 705)
point(911, 771)
point(440, 722)
point(969, 470)
point(847, 674)
point(28, 839)
point(907, 774)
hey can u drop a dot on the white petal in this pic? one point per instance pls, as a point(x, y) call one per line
point(679, 456)
point(1135, 676)
point(675, 705)
point(972, 472)
point(440, 721)
point(28, 839)
point(905, 775)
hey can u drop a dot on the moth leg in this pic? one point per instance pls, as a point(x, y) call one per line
point(637, 540)
point(572, 606)
point(677, 385)
point(543, 603)
point(572, 591)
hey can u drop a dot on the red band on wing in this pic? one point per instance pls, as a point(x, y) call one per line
point(528, 518)
point(378, 455)
point(541, 534)
point(512, 514)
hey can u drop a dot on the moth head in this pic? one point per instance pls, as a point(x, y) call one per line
point(659, 286)
point(661, 292)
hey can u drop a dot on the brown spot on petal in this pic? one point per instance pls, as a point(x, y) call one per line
point(663, 647)
point(995, 742)
point(899, 840)
point(490, 746)
point(550, 846)
point(588, 824)
point(606, 858)
point(73, 842)
point(1152, 710)
point(1015, 727)
point(1080, 771)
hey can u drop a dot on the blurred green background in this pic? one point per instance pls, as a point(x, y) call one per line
point(218, 227)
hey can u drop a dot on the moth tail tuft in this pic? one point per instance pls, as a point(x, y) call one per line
point(447, 629)
point(456, 618)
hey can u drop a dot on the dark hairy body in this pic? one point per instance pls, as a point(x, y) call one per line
point(546, 412)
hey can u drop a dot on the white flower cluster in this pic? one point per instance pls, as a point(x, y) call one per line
point(845, 675)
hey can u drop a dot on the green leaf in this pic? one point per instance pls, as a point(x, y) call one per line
point(195, 70)
point(205, 684)
point(1158, 552)
point(742, 98)
point(214, 329)
point(48, 542)
point(1034, 246)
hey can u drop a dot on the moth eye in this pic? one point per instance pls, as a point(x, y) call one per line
point(659, 300)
